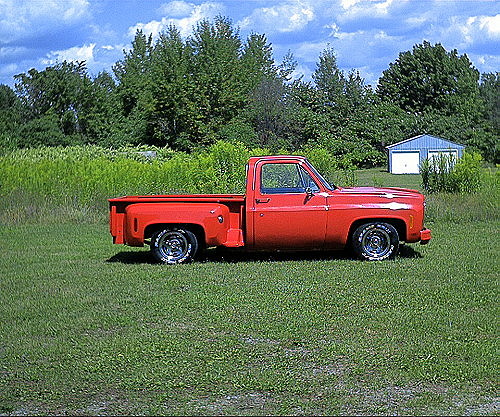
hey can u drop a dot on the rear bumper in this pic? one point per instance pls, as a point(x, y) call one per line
point(425, 236)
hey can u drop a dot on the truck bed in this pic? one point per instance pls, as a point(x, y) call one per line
point(234, 205)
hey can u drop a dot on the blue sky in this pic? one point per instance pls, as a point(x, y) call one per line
point(366, 34)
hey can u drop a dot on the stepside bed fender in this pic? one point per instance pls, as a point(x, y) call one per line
point(213, 218)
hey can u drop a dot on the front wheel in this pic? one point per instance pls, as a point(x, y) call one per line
point(375, 241)
point(174, 246)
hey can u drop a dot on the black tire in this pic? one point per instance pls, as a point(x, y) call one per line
point(375, 241)
point(174, 246)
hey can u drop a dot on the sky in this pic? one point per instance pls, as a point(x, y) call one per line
point(366, 35)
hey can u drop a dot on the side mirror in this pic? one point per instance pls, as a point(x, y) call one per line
point(309, 192)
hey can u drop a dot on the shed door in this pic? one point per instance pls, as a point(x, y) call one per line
point(405, 162)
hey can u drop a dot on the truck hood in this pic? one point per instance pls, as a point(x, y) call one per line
point(377, 194)
point(389, 192)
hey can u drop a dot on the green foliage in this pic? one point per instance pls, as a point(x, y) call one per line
point(85, 176)
point(188, 93)
point(431, 78)
point(468, 173)
point(440, 90)
point(45, 130)
point(489, 90)
point(11, 116)
point(90, 174)
point(270, 113)
point(329, 79)
point(444, 173)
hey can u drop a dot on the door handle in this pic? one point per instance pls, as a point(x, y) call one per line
point(262, 200)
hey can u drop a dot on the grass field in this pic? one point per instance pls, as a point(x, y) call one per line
point(89, 328)
point(92, 328)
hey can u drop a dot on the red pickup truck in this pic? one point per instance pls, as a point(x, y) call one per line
point(288, 205)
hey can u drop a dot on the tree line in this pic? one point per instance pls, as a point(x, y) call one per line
point(188, 93)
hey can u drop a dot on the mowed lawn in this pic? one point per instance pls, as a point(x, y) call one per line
point(91, 328)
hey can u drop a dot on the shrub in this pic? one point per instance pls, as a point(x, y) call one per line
point(444, 173)
point(467, 173)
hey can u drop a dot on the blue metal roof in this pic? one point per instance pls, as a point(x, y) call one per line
point(425, 142)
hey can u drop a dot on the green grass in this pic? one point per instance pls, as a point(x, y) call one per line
point(92, 328)
point(379, 177)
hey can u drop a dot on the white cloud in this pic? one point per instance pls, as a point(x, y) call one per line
point(368, 8)
point(468, 33)
point(182, 15)
point(416, 21)
point(483, 26)
point(347, 4)
point(97, 58)
point(22, 18)
point(491, 24)
point(286, 17)
point(309, 51)
point(486, 63)
point(76, 53)
point(11, 51)
point(9, 69)
point(176, 8)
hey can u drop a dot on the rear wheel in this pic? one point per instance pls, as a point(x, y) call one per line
point(375, 241)
point(174, 246)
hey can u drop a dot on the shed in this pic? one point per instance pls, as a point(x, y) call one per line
point(406, 156)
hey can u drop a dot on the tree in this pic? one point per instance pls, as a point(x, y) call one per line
point(441, 90)
point(59, 90)
point(103, 114)
point(218, 91)
point(490, 93)
point(134, 88)
point(329, 79)
point(257, 60)
point(268, 111)
point(487, 142)
point(10, 117)
point(287, 67)
point(172, 84)
point(430, 78)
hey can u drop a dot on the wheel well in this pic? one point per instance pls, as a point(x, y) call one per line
point(398, 224)
point(198, 230)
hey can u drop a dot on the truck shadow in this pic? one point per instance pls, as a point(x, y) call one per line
point(236, 256)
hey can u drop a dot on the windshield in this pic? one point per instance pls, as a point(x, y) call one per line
point(323, 181)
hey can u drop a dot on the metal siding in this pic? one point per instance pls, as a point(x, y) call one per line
point(423, 144)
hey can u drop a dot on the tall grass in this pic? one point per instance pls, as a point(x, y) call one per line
point(445, 173)
point(74, 183)
point(35, 181)
point(89, 172)
point(481, 205)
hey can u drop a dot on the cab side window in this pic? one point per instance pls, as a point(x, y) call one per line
point(285, 179)
point(308, 181)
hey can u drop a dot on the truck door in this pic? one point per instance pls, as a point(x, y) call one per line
point(288, 210)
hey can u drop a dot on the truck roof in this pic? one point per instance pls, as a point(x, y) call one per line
point(255, 159)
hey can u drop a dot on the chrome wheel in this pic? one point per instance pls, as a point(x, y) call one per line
point(174, 246)
point(375, 241)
